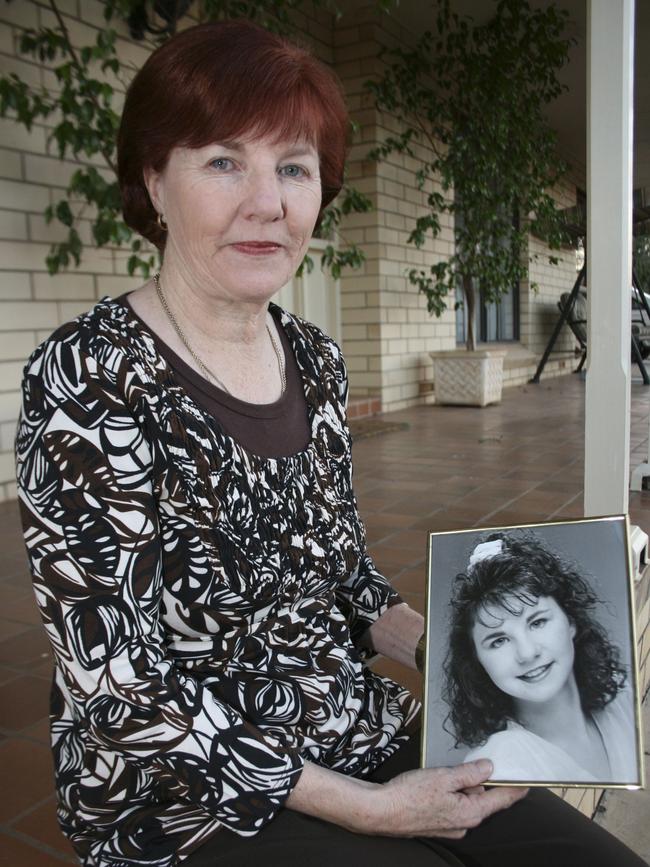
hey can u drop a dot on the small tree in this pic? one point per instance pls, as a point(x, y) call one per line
point(86, 122)
point(474, 95)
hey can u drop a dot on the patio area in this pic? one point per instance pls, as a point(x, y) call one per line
point(452, 468)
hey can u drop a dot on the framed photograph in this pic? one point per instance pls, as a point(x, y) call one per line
point(531, 654)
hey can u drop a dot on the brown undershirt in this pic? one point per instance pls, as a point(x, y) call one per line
point(270, 430)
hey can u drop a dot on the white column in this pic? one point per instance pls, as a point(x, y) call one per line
point(610, 51)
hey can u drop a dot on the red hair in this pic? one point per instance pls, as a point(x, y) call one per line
point(219, 82)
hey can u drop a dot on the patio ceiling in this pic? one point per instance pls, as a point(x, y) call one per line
point(568, 113)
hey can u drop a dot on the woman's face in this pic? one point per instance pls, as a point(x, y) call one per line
point(529, 654)
point(239, 214)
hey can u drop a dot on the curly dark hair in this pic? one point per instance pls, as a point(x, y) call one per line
point(524, 570)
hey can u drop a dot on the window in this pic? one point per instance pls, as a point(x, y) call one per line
point(492, 322)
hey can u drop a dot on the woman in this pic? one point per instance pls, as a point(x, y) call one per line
point(185, 478)
point(533, 681)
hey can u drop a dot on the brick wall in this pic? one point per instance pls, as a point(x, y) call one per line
point(33, 303)
point(387, 332)
point(538, 307)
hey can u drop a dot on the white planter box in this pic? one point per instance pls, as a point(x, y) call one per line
point(468, 378)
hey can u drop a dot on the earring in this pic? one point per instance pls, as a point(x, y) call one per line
point(161, 222)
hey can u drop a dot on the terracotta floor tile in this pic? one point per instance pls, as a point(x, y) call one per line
point(29, 648)
point(415, 506)
point(573, 509)
point(456, 485)
point(27, 776)
point(545, 501)
point(467, 512)
point(412, 487)
point(642, 521)
point(44, 669)
point(11, 534)
point(513, 516)
point(7, 674)
point(376, 534)
point(409, 539)
point(9, 593)
point(16, 853)
point(370, 503)
point(40, 731)
point(22, 610)
point(15, 559)
point(530, 474)
point(479, 502)
point(555, 484)
point(391, 558)
point(9, 628)
point(415, 600)
point(388, 520)
point(23, 702)
point(411, 580)
point(505, 489)
point(16, 576)
point(443, 520)
point(41, 825)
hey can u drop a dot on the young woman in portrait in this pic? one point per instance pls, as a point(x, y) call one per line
point(533, 681)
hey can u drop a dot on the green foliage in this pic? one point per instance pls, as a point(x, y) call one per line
point(274, 15)
point(89, 81)
point(473, 97)
point(350, 201)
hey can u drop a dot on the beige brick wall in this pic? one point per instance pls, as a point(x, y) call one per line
point(538, 307)
point(387, 332)
point(32, 303)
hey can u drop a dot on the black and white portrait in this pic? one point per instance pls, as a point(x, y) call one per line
point(530, 653)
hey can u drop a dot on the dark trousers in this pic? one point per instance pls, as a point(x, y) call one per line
point(539, 831)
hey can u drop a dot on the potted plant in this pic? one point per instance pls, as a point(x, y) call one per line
point(474, 95)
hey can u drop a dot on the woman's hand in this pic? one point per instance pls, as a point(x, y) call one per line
point(442, 802)
point(434, 802)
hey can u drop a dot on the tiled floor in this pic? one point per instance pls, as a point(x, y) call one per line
point(454, 467)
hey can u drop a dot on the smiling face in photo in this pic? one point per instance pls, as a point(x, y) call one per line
point(526, 648)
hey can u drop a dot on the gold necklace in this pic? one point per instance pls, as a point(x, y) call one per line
point(206, 370)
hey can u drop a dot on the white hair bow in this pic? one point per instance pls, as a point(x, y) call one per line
point(485, 551)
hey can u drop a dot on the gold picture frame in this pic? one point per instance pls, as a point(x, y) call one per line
point(531, 654)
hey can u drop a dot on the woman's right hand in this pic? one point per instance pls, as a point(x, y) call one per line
point(433, 802)
point(441, 802)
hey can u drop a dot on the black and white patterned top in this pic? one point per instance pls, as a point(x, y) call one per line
point(204, 605)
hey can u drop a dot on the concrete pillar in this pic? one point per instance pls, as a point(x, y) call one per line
point(610, 54)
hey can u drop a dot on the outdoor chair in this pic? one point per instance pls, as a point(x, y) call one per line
point(573, 312)
point(576, 318)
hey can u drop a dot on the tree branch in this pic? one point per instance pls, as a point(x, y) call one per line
point(428, 136)
point(81, 74)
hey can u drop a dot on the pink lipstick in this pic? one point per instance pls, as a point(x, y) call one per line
point(257, 248)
